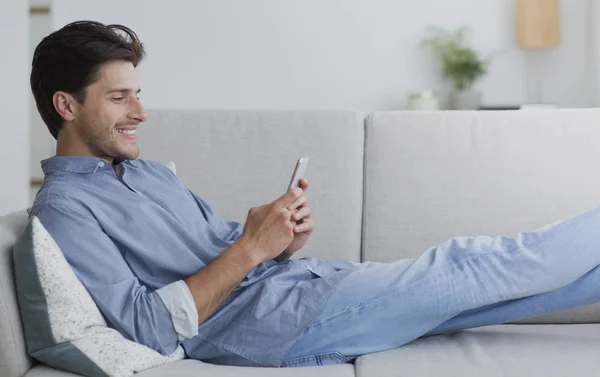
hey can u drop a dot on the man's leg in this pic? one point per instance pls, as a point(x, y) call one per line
point(456, 284)
point(583, 291)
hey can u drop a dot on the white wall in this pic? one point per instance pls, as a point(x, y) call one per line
point(14, 126)
point(352, 54)
point(593, 67)
point(41, 141)
point(565, 70)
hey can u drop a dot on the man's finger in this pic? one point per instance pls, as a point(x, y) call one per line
point(304, 227)
point(290, 196)
point(298, 202)
point(299, 215)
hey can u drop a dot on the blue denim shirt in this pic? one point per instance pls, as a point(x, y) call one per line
point(132, 237)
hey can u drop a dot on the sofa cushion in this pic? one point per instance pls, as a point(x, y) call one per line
point(504, 350)
point(431, 176)
point(14, 361)
point(240, 159)
point(195, 368)
point(63, 326)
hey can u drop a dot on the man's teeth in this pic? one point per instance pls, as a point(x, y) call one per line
point(126, 132)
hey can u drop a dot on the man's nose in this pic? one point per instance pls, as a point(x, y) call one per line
point(138, 111)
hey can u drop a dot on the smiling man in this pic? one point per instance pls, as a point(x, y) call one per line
point(165, 270)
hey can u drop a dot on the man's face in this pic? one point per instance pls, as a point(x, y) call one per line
point(108, 119)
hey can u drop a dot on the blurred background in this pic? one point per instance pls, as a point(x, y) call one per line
point(363, 55)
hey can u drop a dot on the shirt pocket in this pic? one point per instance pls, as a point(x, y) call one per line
point(318, 267)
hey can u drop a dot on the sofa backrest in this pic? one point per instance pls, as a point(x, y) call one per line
point(14, 361)
point(428, 177)
point(433, 176)
point(240, 159)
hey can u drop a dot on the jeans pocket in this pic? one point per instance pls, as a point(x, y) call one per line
point(330, 358)
point(333, 358)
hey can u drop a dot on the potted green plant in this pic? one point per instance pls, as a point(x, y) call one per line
point(460, 63)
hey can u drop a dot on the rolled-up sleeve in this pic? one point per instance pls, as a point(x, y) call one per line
point(141, 316)
point(180, 303)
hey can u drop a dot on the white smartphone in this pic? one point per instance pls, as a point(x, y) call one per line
point(299, 170)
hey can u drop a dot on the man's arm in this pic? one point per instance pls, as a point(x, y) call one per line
point(127, 306)
point(268, 231)
point(162, 318)
point(211, 285)
point(231, 230)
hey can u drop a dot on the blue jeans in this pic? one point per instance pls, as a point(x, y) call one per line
point(462, 283)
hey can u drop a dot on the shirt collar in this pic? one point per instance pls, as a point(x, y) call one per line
point(77, 164)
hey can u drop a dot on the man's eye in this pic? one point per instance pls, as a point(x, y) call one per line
point(118, 99)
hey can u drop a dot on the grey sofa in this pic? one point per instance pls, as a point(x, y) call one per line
point(384, 186)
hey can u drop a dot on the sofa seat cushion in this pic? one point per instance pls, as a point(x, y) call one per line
point(195, 368)
point(503, 350)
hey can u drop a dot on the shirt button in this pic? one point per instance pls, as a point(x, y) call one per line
point(101, 164)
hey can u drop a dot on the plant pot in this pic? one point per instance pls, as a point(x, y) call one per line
point(465, 100)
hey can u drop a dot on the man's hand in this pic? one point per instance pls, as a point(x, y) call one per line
point(304, 223)
point(269, 229)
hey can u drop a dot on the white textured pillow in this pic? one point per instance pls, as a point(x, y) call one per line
point(63, 326)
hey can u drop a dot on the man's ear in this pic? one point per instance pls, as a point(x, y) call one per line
point(65, 105)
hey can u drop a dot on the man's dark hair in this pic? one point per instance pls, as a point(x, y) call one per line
point(70, 59)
